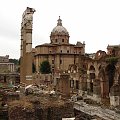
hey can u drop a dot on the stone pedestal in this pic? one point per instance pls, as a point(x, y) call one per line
point(114, 101)
point(96, 90)
point(97, 98)
point(115, 95)
point(83, 83)
point(64, 84)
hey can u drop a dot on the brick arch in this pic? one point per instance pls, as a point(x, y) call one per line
point(106, 79)
point(92, 68)
point(92, 72)
point(99, 54)
point(92, 76)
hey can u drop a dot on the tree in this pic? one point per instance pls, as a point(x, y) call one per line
point(112, 60)
point(45, 67)
point(15, 61)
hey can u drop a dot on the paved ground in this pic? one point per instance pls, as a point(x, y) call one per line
point(106, 114)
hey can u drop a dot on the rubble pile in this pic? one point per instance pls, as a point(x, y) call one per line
point(19, 109)
point(46, 106)
point(35, 102)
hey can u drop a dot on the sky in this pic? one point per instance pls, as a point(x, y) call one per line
point(97, 22)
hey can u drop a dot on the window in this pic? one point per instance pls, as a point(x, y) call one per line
point(60, 61)
point(77, 84)
point(55, 40)
point(71, 83)
point(61, 51)
point(67, 51)
point(62, 40)
point(52, 61)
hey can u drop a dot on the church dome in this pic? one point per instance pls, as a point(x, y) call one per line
point(59, 34)
point(59, 29)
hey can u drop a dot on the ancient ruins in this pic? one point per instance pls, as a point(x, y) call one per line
point(88, 84)
point(72, 70)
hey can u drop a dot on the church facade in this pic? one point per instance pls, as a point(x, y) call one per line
point(59, 52)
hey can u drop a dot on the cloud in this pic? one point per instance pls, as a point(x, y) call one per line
point(95, 22)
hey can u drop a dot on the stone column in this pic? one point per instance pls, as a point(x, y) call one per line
point(26, 46)
point(97, 90)
point(88, 82)
point(11, 68)
point(83, 84)
point(28, 56)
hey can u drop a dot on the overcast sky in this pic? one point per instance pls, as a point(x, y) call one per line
point(97, 22)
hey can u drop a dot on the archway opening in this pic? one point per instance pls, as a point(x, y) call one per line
point(92, 77)
point(77, 84)
point(110, 73)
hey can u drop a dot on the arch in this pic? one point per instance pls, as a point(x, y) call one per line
point(92, 72)
point(99, 54)
point(99, 68)
point(92, 68)
point(85, 68)
point(91, 77)
point(110, 74)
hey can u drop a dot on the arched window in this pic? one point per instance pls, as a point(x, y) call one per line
point(92, 68)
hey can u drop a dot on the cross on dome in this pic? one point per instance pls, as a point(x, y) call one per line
point(59, 29)
point(59, 22)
